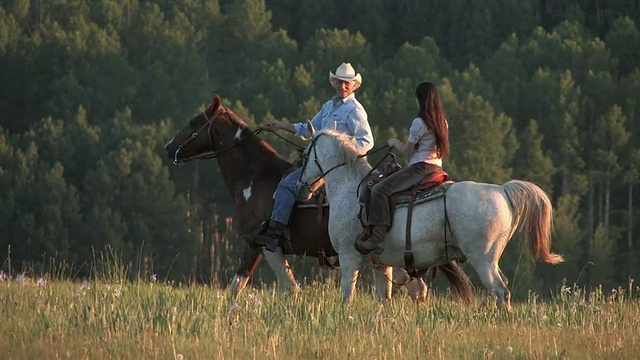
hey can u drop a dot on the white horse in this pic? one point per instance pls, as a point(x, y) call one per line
point(479, 219)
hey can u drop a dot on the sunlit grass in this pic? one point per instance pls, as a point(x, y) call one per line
point(45, 319)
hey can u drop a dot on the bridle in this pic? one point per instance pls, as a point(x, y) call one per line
point(323, 173)
point(207, 127)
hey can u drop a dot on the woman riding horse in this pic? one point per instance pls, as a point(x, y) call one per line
point(427, 144)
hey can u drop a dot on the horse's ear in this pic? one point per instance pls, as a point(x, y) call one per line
point(215, 104)
point(310, 127)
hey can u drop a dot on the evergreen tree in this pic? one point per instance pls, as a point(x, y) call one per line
point(474, 128)
point(624, 41)
point(602, 250)
point(530, 162)
point(506, 73)
point(336, 47)
point(608, 141)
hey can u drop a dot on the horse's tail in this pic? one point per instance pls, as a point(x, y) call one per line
point(459, 280)
point(534, 217)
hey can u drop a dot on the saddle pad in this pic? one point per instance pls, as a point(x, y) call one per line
point(424, 195)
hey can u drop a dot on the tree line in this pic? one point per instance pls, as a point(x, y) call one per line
point(90, 92)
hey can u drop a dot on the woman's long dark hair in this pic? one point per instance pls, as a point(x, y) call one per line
point(433, 115)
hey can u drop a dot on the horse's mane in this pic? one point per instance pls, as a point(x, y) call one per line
point(235, 117)
point(247, 132)
point(351, 154)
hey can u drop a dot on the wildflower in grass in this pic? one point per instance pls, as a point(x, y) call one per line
point(42, 281)
point(22, 277)
point(3, 276)
point(255, 299)
point(117, 292)
point(154, 278)
point(85, 285)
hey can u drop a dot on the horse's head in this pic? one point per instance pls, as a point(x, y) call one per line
point(327, 151)
point(206, 135)
point(318, 160)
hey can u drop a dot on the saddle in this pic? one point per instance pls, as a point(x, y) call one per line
point(430, 188)
point(313, 213)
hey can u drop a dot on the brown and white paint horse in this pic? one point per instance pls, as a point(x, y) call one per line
point(251, 170)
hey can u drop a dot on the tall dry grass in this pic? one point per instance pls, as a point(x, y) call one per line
point(116, 319)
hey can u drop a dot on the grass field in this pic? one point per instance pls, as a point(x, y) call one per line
point(45, 319)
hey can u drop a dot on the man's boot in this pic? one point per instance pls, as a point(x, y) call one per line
point(270, 238)
point(375, 243)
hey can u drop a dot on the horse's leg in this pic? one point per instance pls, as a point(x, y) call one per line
point(507, 293)
point(491, 278)
point(349, 271)
point(250, 259)
point(504, 278)
point(382, 277)
point(400, 279)
point(417, 289)
point(283, 272)
point(459, 280)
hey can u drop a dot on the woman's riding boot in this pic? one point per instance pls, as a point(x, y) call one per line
point(270, 238)
point(375, 243)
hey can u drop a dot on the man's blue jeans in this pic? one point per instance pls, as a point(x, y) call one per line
point(286, 196)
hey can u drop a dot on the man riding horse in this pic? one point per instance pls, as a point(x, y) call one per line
point(343, 113)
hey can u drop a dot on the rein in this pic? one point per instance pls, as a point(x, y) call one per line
point(389, 154)
point(323, 174)
point(298, 147)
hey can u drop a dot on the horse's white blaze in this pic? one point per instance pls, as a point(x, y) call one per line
point(238, 133)
point(246, 192)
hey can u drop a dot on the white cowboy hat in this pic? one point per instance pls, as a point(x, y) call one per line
point(345, 72)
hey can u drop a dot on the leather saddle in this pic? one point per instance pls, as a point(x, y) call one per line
point(428, 189)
